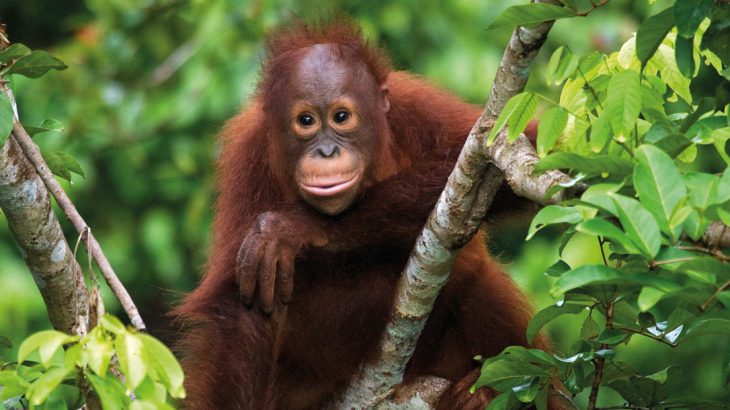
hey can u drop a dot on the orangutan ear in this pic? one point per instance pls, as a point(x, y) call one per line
point(384, 97)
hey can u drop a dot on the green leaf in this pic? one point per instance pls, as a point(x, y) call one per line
point(522, 354)
point(504, 116)
point(110, 391)
point(590, 329)
point(163, 362)
point(651, 34)
point(649, 391)
point(722, 194)
point(553, 214)
point(557, 268)
point(652, 101)
point(521, 116)
point(596, 165)
point(702, 188)
point(589, 61)
point(562, 65)
point(552, 124)
point(603, 275)
point(129, 350)
point(502, 402)
point(598, 196)
point(649, 297)
point(14, 51)
point(601, 227)
point(7, 117)
point(639, 224)
point(705, 269)
point(529, 14)
point(47, 342)
point(688, 155)
point(39, 391)
point(694, 226)
point(623, 102)
point(706, 327)
point(690, 124)
point(546, 315)
point(612, 336)
point(112, 324)
point(99, 351)
point(36, 64)
point(684, 56)
point(56, 165)
point(12, 385)
point(141, 404)
point(46, 125)
point(151, 390)
point(673, 144)
point(527, 391)
point(71, 164)
point(600, 133)
point(74, 356)
point(660, 186)
point(63, 164)
point(688, 14)
point(724, 214)
point(503, 370)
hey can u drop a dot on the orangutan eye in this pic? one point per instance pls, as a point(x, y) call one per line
point(341, 116)
point(306, 120)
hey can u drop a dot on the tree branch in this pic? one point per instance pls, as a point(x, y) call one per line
point(24, 146)
point(33, 153)
point(27, 207)
point(455, 219)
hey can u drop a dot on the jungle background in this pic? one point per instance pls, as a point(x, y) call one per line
point(150, 82)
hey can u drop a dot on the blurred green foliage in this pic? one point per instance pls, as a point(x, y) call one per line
point(150, 82)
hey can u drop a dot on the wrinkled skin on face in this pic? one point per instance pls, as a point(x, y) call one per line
point(335, 122)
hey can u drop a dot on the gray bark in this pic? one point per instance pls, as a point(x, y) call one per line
point(27, 206)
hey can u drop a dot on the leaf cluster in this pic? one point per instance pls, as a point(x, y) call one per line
point(55, 370)
point(632, 127)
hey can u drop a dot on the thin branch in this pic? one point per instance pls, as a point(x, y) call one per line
point(654, 264)
point(717, 254)
point(659, 339)
point(712, 297)
point(33, 154)
point(593, 7)
point(603, 252)
point(600, 362)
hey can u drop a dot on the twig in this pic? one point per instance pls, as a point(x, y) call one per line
point(659, 339)
point(603, 253)
point(32, 152)
point(654, 264)
point(593, 7)
point(712, 297)
point(600, 362)
point(717, 254)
